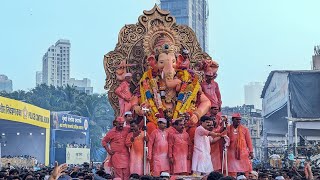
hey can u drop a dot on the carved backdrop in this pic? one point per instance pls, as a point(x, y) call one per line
point(130, 48)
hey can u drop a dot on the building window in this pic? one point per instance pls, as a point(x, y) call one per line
point(176, 12)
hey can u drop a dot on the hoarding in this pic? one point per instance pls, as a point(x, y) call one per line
point(64, 121)
point(77, 155)
point(18, 111)
point(276, 95)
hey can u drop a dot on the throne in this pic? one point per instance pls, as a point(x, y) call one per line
point(131, 50)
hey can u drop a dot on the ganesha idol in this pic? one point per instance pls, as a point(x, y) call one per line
point(169, 88)
point(166, 55)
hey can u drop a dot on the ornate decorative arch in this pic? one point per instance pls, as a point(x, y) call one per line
point(130, 48)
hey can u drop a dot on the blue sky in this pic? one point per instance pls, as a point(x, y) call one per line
point(244, 37)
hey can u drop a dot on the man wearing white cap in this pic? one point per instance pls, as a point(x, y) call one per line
point(124, 94)
point(158, 148)
point(128, 118)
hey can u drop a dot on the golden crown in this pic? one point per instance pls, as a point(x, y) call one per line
point(164, 45)
point(159, 40)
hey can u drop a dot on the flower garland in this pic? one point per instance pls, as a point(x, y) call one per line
point(187, 94)
point(146, 95)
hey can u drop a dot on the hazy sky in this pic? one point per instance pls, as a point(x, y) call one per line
point(244, 37)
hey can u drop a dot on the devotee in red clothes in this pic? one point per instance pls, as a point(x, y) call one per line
point(217, 145)
point(158, 148)
point(180, 148)
point(135, 142)
point(240, 150)
point(114, 143)
point(170, 131)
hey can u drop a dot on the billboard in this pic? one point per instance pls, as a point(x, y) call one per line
point(18, 111)
point(276, 94)
point(64, 121)
point(77, 155)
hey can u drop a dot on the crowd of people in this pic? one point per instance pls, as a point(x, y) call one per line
point(19, 161)
point(178, 147)
point(92, 171)
point(85, 171)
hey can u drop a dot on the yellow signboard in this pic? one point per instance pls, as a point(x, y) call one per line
point(18, 111)
point(77, 155)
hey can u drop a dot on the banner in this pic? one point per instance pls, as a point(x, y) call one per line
point(276, 95)
point(304, 90)
point(77, 155)
point(64, 121)
point(18, 111)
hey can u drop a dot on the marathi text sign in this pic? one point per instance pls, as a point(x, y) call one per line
point(69, 122)
point(18, 111)
point(276, 94)
point(77, 155)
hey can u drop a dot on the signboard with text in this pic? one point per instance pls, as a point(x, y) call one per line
point(77, 155)
point(18, 111)
point(64, 121)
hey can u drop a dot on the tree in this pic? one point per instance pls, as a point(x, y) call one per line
point(98, 109)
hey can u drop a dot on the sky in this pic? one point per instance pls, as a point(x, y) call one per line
point(248, 38)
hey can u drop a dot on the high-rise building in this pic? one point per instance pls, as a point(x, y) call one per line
point(39, 78)
point(252, 94)
point(316, 58)
point(5, 83)
point(56, 64)
point(83, 85)
point(193, 13)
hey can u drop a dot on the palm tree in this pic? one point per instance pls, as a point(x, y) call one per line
point(98, 109)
